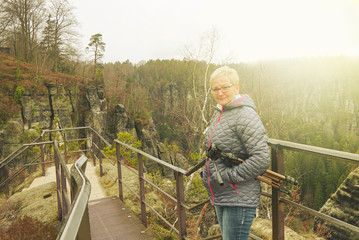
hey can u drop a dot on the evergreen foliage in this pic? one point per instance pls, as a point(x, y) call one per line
point(97, 47)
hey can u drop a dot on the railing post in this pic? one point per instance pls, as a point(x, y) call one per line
point(65, 147)
point(180, 209)
point(42, 158)
point(119, 172)
point(65, 207)
point(58, 183)
point(277, 206)
point(93, 148)
point(142, 189)
point(7, 182)
point(100, 156)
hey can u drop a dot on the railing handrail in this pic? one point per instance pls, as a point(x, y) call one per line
point(19, 150)
point(163, 163)
point(322, 216)
point(78, 209)
point(104, 140)
point(34, 142)
point(330, 153)
point(63, 129)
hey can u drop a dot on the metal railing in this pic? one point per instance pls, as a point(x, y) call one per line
point(5, 164)
point(179, 199)
point(277, 147)
point(96, 143)
point(277, 157)
point(72, 207)
point(45, 153)
point(77, 224)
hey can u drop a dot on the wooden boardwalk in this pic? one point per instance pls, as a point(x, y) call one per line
point(110, 219)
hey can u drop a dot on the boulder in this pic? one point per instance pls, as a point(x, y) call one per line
point(39, 202)
point(263, 229)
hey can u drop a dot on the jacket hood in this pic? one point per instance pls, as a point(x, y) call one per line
point(238, 101)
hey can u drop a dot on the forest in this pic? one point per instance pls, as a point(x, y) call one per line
point(313, 101)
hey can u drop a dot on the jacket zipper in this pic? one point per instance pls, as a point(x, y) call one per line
point(209, 145)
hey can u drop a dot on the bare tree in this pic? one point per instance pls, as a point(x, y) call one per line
point(60, 30)
point(4, 21)
point(25, 18)
point(200, 114)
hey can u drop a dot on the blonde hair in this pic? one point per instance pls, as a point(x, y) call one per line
point(225, 71)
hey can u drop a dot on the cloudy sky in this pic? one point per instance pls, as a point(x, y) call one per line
point(247, 30)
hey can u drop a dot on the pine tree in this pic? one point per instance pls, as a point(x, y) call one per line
point(97, 47)
point(319, 196)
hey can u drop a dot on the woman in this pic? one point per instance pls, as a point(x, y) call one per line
point(236, 129)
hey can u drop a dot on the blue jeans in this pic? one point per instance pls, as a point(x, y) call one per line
point(235, 222)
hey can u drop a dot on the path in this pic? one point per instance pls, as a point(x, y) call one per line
point(50, 176)
point(109, 217)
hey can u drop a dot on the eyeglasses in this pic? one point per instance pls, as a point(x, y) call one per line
point(222, 89)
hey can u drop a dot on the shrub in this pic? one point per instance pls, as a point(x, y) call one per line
point(128, 156)
point(8, 109)
point(19, 93)
point(27, 228)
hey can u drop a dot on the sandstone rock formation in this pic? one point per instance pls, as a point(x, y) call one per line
point(344, 205)
point(11, 136)
point(97, 107)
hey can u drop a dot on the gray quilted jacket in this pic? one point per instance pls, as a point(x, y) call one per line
point(237, 129)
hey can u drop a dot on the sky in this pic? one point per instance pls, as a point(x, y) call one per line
point(246, 30)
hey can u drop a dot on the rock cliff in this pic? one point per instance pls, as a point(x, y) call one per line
point(54, 100)
point(60, 105)
point(344, 205)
